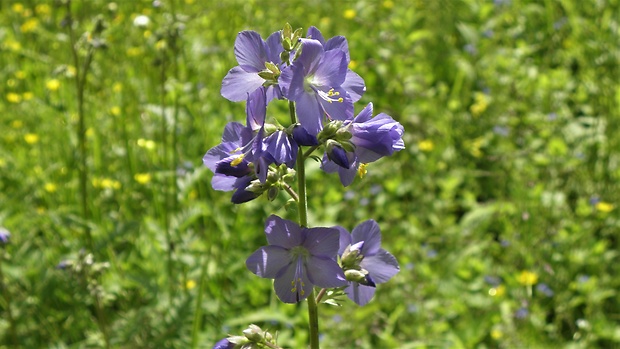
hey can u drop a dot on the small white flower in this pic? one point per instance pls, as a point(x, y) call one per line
point(141, 21)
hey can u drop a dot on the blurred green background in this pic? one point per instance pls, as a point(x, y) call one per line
point(502, 210)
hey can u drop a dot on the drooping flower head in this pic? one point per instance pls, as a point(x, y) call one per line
point(364, 261)
point(314, 82)
point(372, 138)
point(253, 55)
point(298, 259)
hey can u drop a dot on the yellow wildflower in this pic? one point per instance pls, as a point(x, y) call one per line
point(474, 146)
point(43, 9)
point(146, 143)
point(190, 284)
point(12, 45)
point(349, 14)
point(17, 8)
point(497, 291)
point(426, 145)
point(71, 71)
point(115, 110)
point(481, 102)
point(352, 64)
point(108, 183)
point(605, 207)
point(189, 2)
point(17, 124)
point(29, 26)
point(52, 85)
point(50, 187)
point(527, 278)
point(27, 96)
point(31, 138)
point(117, 87)
point(497, 334)
point(388, 4)
point(142, 178)
point(134, 51)
point(20, 74)
point(13, 97)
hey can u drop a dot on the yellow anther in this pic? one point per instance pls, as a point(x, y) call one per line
point(362, 171)
point(236, 150)
point(302, 292)
point(340, 100)
point(294, 289)
point(237, 161)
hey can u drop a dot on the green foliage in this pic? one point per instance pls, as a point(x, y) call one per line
point(502, 210)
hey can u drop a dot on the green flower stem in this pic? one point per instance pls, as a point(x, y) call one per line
point(313, 314)
point(80, 86)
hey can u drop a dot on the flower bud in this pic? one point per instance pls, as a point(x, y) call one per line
point(254, 333)
point(272, 193)
point(354, 275)
point(336, 154)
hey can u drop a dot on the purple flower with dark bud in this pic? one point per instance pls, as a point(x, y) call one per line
point(237, 161)
point(5, 236)
point(314, 82)
point(353, 83)
point(364, 261)
point(253, 55)
point(373, 139)
point(298, 259)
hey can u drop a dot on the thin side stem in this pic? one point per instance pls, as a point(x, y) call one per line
point(291, 192)
point(320, 295)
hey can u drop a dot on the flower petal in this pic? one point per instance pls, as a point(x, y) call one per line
point(293, 285)
point(282, 232)
point(291, 81)
point(325, 272)
point(338, 43)
point(369, 232)
point(311, 54)
point(274, 47)
point(322, 242)
point(347, 175)
point(281, 148)
point(314, 33)
point(238, 83)
point(381, 266)
point(268, 261)
point(223, 183)
point(332, 69)
point(354, 85)
point(309, 114)
point(256, 109)
point(250, 49)
point(360, 294)
point(345, 239)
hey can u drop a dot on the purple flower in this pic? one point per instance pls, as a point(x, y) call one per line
point(314, 82)
point(252, 52)
point(224, 344)
point(5, 236)
point(297, 258)
point(363, 259)
point(373, 139)
point(545, 289)
point(353, 83)
point(522, 313)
